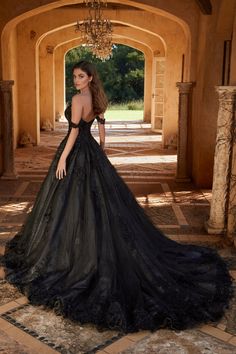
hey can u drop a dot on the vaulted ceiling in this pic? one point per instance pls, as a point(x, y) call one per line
point(204, 5)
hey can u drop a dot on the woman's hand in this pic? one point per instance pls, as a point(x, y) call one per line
point(61, 168)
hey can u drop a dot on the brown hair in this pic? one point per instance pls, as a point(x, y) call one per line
point(99, 98)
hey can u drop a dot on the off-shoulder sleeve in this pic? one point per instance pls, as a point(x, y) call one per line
point(74, 125)
point(101, 120)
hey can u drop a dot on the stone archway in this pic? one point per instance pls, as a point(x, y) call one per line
point(59, 55)
point(138, 15)
point(47, 57)
point(173, 71)
point(27, 26)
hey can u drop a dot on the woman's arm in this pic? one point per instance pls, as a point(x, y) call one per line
point(76, 114)
point(101, 129)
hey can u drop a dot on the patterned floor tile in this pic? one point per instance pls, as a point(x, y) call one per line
point(182, 342)
point(8, 293)
point(71, 337)
point(196, 215)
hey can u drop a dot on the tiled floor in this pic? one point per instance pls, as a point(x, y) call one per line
point(180, 210)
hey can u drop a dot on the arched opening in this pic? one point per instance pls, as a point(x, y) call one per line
point(122, 76)
point(39, 37)
point(119, 17)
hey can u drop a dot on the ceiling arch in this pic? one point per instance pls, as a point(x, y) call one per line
point(65, 35)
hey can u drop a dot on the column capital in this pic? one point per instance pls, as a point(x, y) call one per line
point(185, 87)
point(6, 85)
point(226, 92)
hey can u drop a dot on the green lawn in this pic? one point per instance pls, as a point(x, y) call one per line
point(130, 115)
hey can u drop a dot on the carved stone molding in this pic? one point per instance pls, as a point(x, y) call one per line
point(58, 117)
point(171, 142)
point(46, 125)
point(223, 186)
point(231, 220)
point(26, 140)
point(185, 88)
point(32, 34)
point(7, 130)
point(231, 213)
point(49, 49)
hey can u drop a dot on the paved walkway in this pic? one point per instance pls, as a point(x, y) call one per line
point(180, 210)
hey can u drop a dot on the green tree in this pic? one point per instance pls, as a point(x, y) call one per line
point(122, 75)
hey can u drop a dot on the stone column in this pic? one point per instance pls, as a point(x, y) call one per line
point(231, 221)
point(7, 131)
point(147, 87)
point(46, 75)
point(222, 162)
point(182, 174)
point(231, 215)
point(59, 74)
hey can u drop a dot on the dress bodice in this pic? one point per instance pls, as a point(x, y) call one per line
point(83, 124)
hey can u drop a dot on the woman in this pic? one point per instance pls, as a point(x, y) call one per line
point(89, 251)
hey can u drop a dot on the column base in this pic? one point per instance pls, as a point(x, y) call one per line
point(9, 176)
point(230, 240)
point(211, 229)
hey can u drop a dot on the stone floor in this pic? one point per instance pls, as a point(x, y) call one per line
point(180, 210)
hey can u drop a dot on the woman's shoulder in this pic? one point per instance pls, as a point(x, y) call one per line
point(81, 98)
point(77, 98)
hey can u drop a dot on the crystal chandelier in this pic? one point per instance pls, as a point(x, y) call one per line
point(96, 31)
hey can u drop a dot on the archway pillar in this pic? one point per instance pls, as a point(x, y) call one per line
point(231, 220)
point(27, 67)
point(47, 98)
point(59, 56)
point(182, 171)
point(7, 130)
point(59, 74)
point(147, 88)
point(223, 204)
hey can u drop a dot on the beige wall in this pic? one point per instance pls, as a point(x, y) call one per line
point(233, 55)
point(212, 33)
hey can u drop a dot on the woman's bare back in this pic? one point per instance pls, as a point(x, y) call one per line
point(87, 110)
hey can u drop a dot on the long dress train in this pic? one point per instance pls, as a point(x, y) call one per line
point(89, 251)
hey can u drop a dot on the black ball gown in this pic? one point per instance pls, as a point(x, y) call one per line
point(88, 251)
